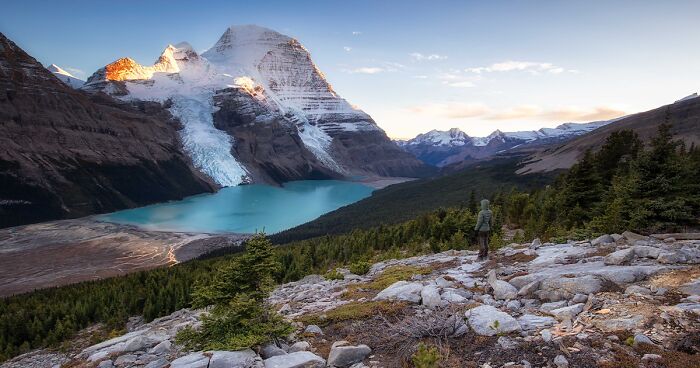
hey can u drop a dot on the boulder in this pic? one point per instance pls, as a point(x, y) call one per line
point(633, 237)
point(536, 243)
point(271, 350)
point(128, 359)
point(645, 251)
point(546, 307)
point(641, 339)
point(452, 296)
point(514, 305)
point(622, 256)
point(603, 239)
point(138, 343)
point(501, 289)
point(444, 283)
point(299, 346)
point(529, 322)
point(546, 335)
point(430, 297)
point(529, 289)
point(486, 320)
point(160, 363)
point(402, 290)
point(343, 355)
point(193, 360)
point(313, 330)
point(672, 257)
point(235, 359)
point(616, 237)
point(562, 288)
point(105, 364)
point(507, 343)
point(579, 298)
point(569, 312)
point(163, 348)
point(300, 359)
point(636, 289)
point(561, 362)
point(691, 288)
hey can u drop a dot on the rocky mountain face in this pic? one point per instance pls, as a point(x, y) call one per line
point(256, 107)
point(443, 148)
point(66, 154)
point(592, 303)
point(683, 115)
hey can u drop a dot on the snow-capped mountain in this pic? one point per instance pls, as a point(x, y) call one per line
point(65, 76)
point(442, 148)
point(256, 106)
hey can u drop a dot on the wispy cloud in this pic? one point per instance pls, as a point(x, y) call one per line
point(459, 110)
point(364, 70)
point(417, 56)
point(75, 71)
point(527, 66)
point(356, 33)
point(455, 78)
point(347, 48)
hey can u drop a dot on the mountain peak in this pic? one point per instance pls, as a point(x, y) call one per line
point(244, 43)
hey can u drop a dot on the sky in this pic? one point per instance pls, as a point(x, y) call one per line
point(414, 66)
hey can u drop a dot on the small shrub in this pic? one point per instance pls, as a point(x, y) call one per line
point(426, 357)
point(333, 275)
point(360, 267)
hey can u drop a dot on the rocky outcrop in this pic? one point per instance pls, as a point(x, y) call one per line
point(601, 311)
point(65, 154)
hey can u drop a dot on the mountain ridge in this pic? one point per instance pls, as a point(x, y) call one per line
point(442, 148)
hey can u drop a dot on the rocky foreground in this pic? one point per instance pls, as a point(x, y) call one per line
point(616, 301)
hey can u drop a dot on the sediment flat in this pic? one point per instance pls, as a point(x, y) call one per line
point(63, 252)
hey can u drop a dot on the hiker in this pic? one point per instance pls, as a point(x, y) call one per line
point(483, 228)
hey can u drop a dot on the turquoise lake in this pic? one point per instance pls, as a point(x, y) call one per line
point(246, 208)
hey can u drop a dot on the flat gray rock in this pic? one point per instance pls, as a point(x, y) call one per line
point(486, 320)
point(343, 355)
point(300, 359)
point(402, 290)
point(235, 359)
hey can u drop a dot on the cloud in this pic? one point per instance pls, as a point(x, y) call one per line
point(364, 70)
point(417, 56)
point(459, 110)
point(531, 67)
point(420, 76)
point(576, 114)
point(75, 71)
point(461, 84)
point(356, 33)
point(347, 48)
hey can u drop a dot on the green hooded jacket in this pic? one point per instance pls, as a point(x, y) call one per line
point(485, 219)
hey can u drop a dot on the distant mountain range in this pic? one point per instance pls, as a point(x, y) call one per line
point(442, 148)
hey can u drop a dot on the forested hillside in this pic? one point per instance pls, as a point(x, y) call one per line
point(404, 201)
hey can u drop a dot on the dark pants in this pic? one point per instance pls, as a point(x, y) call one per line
point(483, 238)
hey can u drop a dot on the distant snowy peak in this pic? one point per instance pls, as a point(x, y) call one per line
point(65, 76)
point(452, 137)
point(455, 137)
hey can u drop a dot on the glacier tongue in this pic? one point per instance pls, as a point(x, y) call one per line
point(209, 148)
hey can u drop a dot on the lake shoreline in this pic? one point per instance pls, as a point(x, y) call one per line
point(62, 252)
